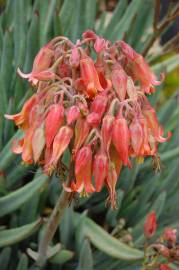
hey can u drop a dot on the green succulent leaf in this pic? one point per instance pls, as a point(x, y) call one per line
point(23, 262)
point(17, 198)
point(62, 257)
point(86, 257)
point(5, 257)
point(124, 23)
point(7, 156)
point(46, 18)
point(107, 243)
point(12, 236)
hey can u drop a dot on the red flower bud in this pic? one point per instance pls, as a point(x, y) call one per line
point(89, 34)
point(100, 170)
point(170, 235)
point(93, 119)
point(119, 81)
point(121, 139)
point(73, 114)
point(100, 44)
point(90, 77)
point(162, 250)
point(81, 132)
point(136, 135)
point(99, 104)
point(106, 131)
point(60, 144)
point(150, 225)
point(83, 168)
point(53, 122)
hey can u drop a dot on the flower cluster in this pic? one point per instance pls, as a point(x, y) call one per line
point(91, 99)
point(164, 250)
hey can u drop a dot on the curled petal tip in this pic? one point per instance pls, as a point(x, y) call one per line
point(73, 187)
point(161, 139)
point(162, 77)
point(9, 116)
point(23, 75)
point(67, 189)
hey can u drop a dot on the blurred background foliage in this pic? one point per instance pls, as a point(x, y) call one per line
point(90, 236)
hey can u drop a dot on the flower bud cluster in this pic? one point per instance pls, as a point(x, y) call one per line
point(90, 98)
point(165, 247)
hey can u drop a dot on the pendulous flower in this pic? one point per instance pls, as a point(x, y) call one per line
point(97, 109)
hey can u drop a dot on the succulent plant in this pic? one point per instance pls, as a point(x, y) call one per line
point(90, 235)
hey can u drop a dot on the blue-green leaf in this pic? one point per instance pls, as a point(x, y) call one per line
point(17, 198)
point(12, 236)
point(107, 243)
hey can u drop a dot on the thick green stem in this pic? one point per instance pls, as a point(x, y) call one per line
point(51, 227)
point(54, 221)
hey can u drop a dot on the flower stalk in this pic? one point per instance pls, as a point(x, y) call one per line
point(53, 223)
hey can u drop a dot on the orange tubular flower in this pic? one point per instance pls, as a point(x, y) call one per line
point(39, 71)
point(140, 70)
point(106, 131)
point(136, 135)
point(153, 124)
point(90, 77)
point(96, 109)
point(55, 116)
point(83, 170)
point(100, 169)
point(61, 142)
point(22, 119)
point(121, 139)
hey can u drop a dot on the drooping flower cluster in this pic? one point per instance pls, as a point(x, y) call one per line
point(91, 99)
